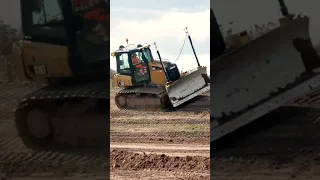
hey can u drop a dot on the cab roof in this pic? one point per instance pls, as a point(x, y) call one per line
point(131, 47)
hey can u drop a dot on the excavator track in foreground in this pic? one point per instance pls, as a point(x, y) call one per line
point(67, 117)
point(142, 98)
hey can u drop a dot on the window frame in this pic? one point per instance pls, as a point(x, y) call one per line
point(45, 15)
point(149, 52)
point(39, 32)
point(125, 71)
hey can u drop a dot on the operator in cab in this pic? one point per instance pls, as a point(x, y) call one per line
point(139, 64)
point(135, 59)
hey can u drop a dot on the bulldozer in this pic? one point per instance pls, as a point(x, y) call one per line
point(149, 83)
point(261, 75)
point(65, 45)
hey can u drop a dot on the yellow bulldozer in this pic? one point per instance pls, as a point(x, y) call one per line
point(66, 45)
point(154, 83)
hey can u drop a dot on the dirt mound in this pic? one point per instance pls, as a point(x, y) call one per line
point(134, 161)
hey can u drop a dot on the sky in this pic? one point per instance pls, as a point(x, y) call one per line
point(163, 22)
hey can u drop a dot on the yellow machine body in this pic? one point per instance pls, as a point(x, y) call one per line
point(157, 76)
point(34, 60)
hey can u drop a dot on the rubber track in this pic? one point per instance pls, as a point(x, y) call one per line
point(161, 93)
point(96, 90)
point(92, 90)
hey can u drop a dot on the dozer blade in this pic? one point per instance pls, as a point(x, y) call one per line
point(188, 87)
point(261, 76)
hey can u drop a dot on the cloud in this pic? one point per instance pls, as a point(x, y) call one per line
point(166, 28)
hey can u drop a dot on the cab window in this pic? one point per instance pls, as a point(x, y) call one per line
point(147, 54)
point(50, 12)
point(123, 64)
point(43, 20)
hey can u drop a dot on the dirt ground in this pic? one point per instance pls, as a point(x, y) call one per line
point(172, 145)
point(160, 145)
point(145, 145)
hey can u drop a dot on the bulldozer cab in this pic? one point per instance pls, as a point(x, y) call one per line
point(82, 25)
point(133, 60)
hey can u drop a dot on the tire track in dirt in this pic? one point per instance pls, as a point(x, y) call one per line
point(156, 175)
point(173, 137)
point(65, 176)
point(17, 160)
point(26, 163)
point(11, 144)
point(180, 150)
point(175, 119)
